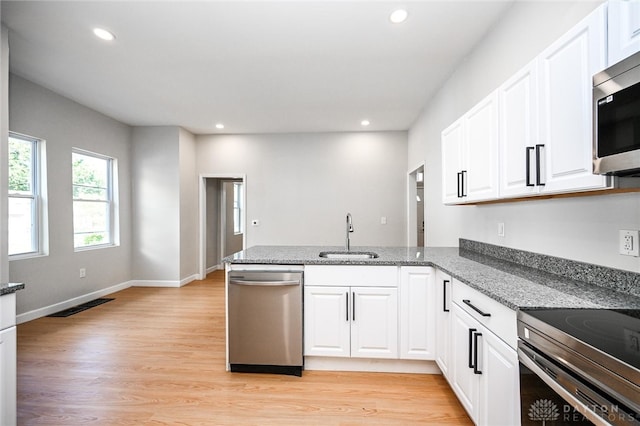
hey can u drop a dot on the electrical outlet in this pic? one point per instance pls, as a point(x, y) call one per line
point(630, 242)
point(501, 229)
point(83, 272)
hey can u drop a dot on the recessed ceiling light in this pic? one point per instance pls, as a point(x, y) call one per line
point(398, 16)
point(219, 126)
point(103, 34)
point(365, 123)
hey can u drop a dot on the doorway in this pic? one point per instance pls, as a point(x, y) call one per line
point(415, 208)
point(222, 219)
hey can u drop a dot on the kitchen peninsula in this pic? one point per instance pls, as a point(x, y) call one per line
point(429, 310)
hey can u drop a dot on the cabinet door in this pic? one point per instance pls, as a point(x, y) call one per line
point(518, 118)
point(326, 322)
point(8, 376)
point(452, 162)
point(500, 376)
point(624, 29)
point(566, 70)
point(481, 144)
point(374, 322)
point(417, 313)
point(464, 382)
point(443, 322)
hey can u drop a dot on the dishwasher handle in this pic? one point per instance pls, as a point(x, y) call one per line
point(264, 283)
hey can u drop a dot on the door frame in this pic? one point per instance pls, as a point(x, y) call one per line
point(202, 215)
point(412, 204)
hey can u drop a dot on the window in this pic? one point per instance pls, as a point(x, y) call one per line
point(26, 219)
point(93, 200)
point(238, 188)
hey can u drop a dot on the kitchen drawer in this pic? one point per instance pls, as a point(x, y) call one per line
point(350, 275)
point(497, 317)
point(7, 311)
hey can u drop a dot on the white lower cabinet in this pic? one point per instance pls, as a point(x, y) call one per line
point(443, 321)
point(327, 330)
point(484, 372)
point(357, 322)
point(8, 349)
point(417, 313)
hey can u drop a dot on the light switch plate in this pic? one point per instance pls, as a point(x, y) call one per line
point(629, 242)
point(501, 229)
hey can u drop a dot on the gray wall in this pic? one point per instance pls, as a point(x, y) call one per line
point(584, 229)
point(189, 229)
point(301, 186)
point(156, 203)
point(64, 125)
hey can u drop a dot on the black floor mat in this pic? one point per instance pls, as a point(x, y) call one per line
point(80, 308)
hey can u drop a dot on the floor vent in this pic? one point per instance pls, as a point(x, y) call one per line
point(80, 308)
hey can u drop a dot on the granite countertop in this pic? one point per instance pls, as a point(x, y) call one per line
point(8, 288)
point(510, 283)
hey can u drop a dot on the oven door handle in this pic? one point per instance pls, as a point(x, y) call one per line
point(526, 360)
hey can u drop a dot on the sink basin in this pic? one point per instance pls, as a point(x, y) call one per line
point(348, 254)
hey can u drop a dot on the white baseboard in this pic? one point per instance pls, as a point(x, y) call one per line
point(214, 268)
point(187, 280)
point(370, 365)
point(52, 309)
point(155, 283)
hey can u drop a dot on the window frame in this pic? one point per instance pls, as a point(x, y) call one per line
point(112, 198)
point(238, 208)
point(38, 195)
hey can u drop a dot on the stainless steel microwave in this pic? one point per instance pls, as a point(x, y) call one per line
point(616, 119)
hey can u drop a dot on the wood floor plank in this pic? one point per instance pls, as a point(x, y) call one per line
point(156, 356)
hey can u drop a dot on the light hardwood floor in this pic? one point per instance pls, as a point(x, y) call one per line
point(156, 356)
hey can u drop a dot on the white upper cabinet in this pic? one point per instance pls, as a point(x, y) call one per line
point(533, 135)
point(470, 155)
point(624, 29)
point(481, 177)
point(452, 162)
point(566, 71)
point(518, 122)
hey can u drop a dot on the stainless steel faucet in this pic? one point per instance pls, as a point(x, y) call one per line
point(349, 230)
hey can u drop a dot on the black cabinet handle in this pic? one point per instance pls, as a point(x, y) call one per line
point(444, 295)
point(528, 165)
point(471, 331)
point(538, 163)
point(347, 294)
point(475, 308)
point(459, 174)
point(475, 353)
point(353, 312)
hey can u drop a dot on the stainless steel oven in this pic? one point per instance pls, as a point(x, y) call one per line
point(579, 366)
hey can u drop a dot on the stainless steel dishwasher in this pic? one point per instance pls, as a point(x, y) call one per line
point(265, 321)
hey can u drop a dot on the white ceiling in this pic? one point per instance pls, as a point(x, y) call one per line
point(257, 67)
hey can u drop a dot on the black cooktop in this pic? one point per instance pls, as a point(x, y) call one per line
point(615, 332)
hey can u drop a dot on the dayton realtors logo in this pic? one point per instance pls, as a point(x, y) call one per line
point(543, 410)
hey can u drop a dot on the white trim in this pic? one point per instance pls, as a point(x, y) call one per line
point(155, 283)
point(189, 279)
point(213, 268)
point(370, 364)
point(57, 307)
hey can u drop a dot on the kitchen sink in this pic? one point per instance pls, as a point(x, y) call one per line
point(348, 254)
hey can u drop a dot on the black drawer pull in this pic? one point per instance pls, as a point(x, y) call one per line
point(471, 331)
point(444, 295)
point(475, 308)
